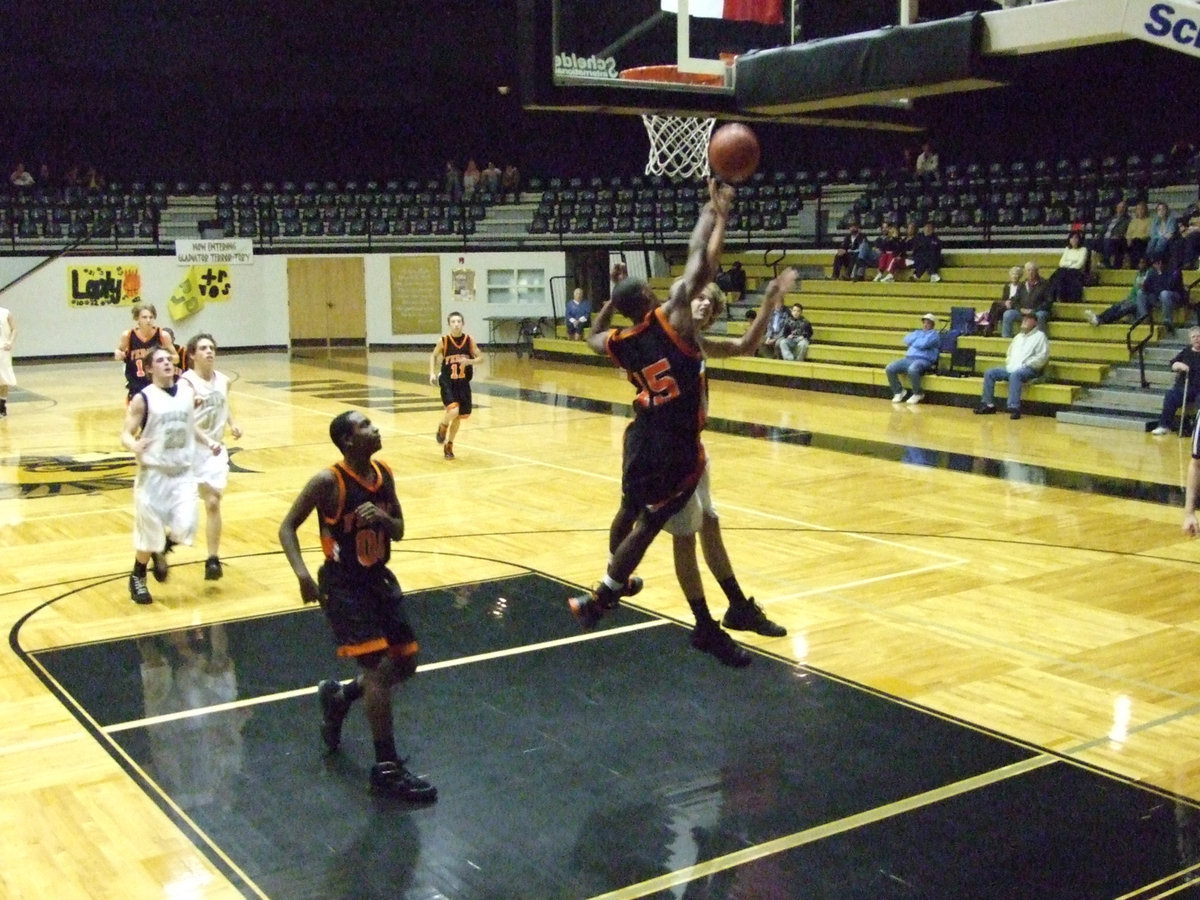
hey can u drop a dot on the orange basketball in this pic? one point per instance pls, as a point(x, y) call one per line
point(733, 153)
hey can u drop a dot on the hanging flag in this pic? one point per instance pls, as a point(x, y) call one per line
point(768, 12)
point(203, 284)
point(186, 298)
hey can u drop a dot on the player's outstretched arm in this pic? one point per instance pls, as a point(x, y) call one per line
point(749, 342)
point(597, 338)
point(704, 249)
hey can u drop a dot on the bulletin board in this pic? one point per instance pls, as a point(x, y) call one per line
point(416, 285)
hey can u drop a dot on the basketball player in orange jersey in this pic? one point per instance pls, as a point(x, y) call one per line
point(451, 366)
point(360, 515)
point(136, 344)
point(662, 457)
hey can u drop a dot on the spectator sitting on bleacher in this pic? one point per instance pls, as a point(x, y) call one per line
point(845, 257)
point(578, 315)
point(927, 163)
point(470, 179)
point(927, 254)
point(1186, 389)
point(490, 178)
point(1026, 358)
point(1189, 234)
point(866, 257)
point(20, 178)
point(910, 238)
point(891, 254)
point(1137, 234)
point(922, 355)
point(1126, 306)
point(1112, 244)
point(1031, 296)
point(1163, 284)
point(797, 334)
point(1073, 266)
point(452, 180)
point(1008, 300)
point(776, 330)
point(1162, 229)
point(733, 279)
point(510, 182)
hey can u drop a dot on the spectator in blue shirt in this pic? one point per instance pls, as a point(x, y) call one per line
point(578, 315)
point(923, 348)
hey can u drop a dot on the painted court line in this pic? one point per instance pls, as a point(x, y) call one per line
point(429, 667)
point(829, 829)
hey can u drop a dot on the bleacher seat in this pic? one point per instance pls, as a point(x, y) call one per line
point(1033, 215)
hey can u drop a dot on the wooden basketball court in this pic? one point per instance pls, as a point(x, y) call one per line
point(988, 687)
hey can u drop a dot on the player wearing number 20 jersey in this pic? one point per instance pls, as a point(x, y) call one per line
point(663, 456)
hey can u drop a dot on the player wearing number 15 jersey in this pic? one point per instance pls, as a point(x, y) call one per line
point(663, 457)
point(451, 366)
point(360, 516)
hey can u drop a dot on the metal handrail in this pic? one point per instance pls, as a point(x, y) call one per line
point(1140, 349)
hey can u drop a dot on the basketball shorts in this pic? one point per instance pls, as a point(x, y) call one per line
point(660, 468)
point(163, 502)
point(209, 470)
point(689, 519)
point(456, 390)
point(366, 613)
point(7, 375)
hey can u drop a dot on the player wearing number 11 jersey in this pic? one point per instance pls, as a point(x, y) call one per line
point(451, 366)
point(360, 517)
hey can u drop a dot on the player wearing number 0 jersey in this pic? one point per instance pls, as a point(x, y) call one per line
point(360, 516)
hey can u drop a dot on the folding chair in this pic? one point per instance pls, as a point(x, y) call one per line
point(962, 319)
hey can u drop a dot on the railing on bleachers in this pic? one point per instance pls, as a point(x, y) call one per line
point(976, 204)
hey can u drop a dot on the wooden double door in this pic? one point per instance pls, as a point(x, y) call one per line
point(327, 304)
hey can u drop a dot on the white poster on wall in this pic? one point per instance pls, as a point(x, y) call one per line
point(222, 251)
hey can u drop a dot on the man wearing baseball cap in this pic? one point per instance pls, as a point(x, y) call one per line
point(1027, 357)
point(922, 355)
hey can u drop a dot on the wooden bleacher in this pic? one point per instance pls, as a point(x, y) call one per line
point(859, 328)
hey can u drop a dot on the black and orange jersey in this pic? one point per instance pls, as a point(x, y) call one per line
point(136, 351)
point(354, 545)
point(457, 354)
point(666, 370)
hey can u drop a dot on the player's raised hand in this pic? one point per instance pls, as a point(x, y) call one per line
point(721, 195)
point(786, 280)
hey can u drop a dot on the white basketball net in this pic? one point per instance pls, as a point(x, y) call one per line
point(678, 145)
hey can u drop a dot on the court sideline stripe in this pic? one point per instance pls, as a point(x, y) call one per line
point(828, 829)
